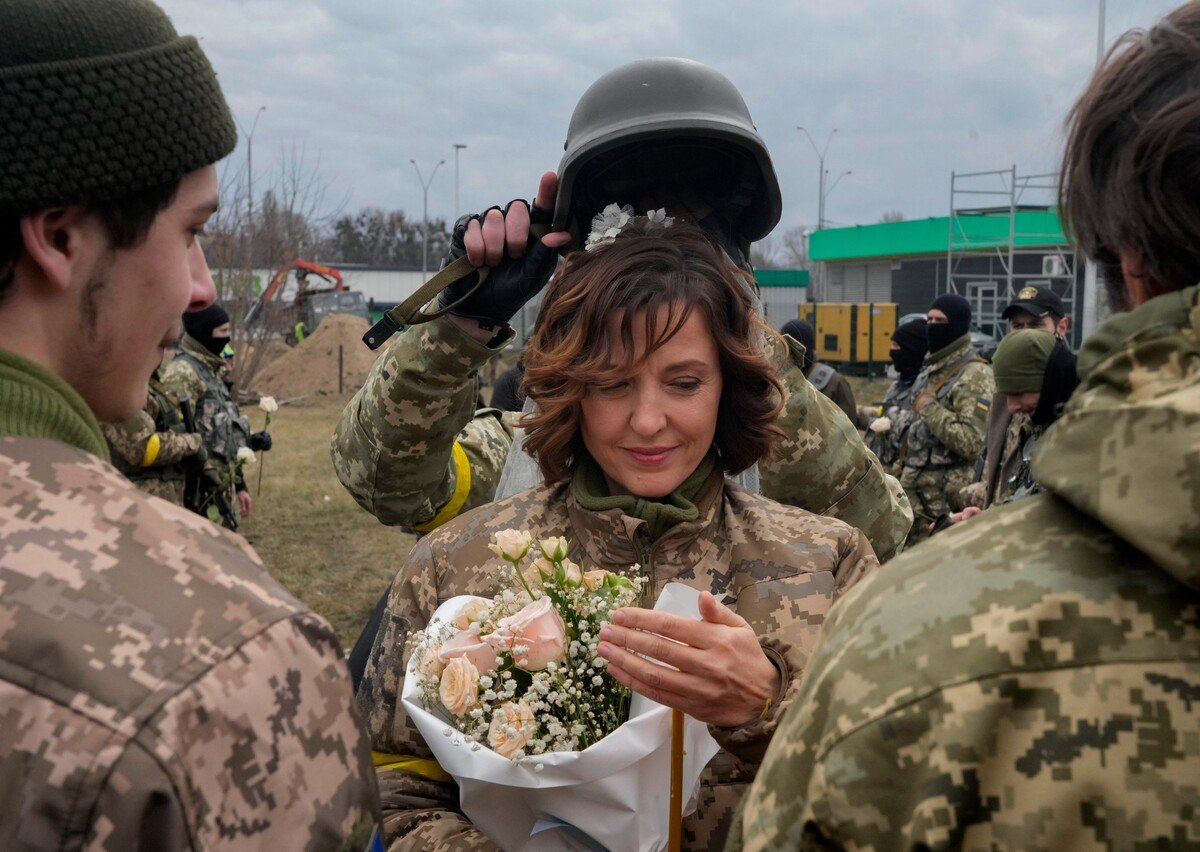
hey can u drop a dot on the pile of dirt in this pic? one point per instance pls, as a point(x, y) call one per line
point(272, 349)
point(311, 368)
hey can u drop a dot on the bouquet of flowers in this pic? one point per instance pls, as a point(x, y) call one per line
point(516, 703)
point(521, 673)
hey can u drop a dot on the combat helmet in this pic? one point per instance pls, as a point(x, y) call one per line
point(666, 120)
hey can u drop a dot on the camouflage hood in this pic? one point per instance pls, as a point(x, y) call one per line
point(1127, 449)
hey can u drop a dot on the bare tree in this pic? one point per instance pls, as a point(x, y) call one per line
point(891, 216)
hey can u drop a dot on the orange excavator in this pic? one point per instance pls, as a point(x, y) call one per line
point(319, 291)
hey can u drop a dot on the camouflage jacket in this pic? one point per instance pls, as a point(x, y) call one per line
point(158, 690)
point(152, 444)
point(196, 373)
point(1027, 680)
point(897, 408)
point(952, 396)
point(780, 567)
point(413, 450)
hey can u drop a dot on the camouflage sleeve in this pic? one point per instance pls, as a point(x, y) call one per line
point(138, 444)
point(410, 447)
point(181, 379)
point(418, 813)
point(959, 420)
point(823, 466)
point(788, 649)
point(271, 750)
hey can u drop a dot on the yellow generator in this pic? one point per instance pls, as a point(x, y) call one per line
point(853, 334)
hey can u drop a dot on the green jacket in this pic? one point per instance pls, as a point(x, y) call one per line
point(949, 430)
point(1027, 679)
point(413, 450)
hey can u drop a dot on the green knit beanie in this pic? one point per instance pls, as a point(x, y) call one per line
point(1019, 364)
point(101, 99)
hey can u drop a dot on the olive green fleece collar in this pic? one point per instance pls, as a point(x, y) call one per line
point(35, 403)
point(592, 493)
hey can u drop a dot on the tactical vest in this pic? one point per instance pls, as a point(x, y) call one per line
point(221, 425)
point(897, 407)
point(922, 450)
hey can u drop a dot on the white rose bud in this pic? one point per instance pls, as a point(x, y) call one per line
point(573, 573)
point(555, 549)
point(881, 424)
point(511, 544)
point(245, 455)
point(268, 404)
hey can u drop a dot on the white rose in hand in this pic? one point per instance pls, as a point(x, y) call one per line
point(268, 404)
point(881, 424)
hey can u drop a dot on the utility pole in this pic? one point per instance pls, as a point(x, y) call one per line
point(821, 173)
point(458, 146)
point(425, 214)
point(250, 164)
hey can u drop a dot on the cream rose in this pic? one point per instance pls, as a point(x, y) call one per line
point(268, 404)
point(555, 549)
point(593, 580)
point(459, 689)
point(469, 613)
point(471, 646)
point(574, 574)
point(431, 666)
point(511, 544)
point(512, 727)
point(881, 424)
point(536, 636)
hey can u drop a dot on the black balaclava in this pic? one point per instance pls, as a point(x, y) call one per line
point(799, 330)
point(914, 344)
point(200, 325)
point(958, 312)
point(1059, 383)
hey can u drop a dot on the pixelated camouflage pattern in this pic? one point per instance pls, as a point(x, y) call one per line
point(897, 407)
point(392, 446)
point(196, 373)
point(157, 688)
point(127, 441)
point(1029, 679)
point(781, 567)
point(952, 396)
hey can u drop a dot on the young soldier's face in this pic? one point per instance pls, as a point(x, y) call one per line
point(134, 300)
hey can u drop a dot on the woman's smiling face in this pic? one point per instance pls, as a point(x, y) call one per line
point(650, 430)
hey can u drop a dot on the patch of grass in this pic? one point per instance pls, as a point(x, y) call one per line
point(310, 534)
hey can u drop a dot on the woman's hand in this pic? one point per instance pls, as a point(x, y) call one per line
point(719, 673)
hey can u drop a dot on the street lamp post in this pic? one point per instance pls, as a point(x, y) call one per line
point(425, 213)
point(820, 152)
point(458, 146)
point(250, 163)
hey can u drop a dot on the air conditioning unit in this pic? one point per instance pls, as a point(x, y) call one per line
point(1053, 265)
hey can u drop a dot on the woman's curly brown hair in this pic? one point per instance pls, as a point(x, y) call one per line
point(645, 269)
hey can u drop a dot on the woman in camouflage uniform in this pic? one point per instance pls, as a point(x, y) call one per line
point(651, 386)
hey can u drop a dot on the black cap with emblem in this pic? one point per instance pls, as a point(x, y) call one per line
point(1038, 301)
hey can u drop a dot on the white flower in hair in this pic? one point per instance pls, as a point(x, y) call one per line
point(615, 218)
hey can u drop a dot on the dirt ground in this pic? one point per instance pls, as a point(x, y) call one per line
point(311, 535)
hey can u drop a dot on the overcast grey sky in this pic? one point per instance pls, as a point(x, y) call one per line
point(916, 88)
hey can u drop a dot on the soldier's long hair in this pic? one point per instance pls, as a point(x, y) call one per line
point(657, 278)
point(1131, 168)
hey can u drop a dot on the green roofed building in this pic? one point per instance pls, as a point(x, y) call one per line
point(912, 262)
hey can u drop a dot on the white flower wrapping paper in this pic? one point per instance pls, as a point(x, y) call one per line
point(612, 795)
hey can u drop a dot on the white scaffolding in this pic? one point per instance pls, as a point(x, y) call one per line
point(1019, 257)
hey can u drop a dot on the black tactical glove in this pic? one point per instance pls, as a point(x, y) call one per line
point(260, 442)
point(510, 284)
point(200, 457)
